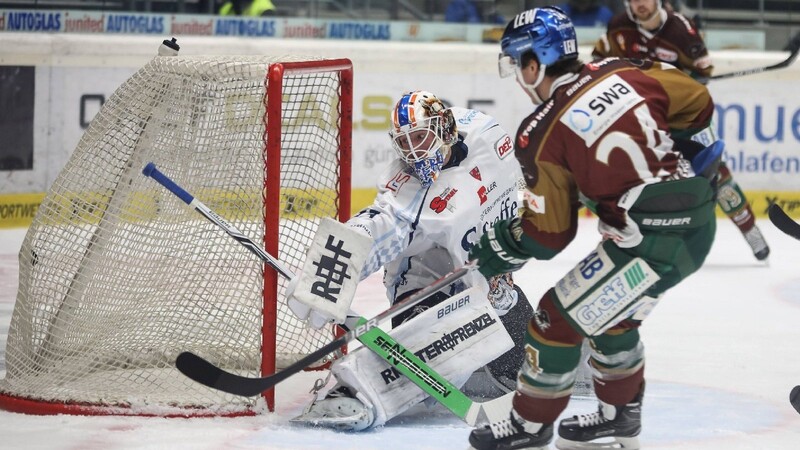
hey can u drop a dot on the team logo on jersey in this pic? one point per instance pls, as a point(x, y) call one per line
point(439, 203)
point(600, 107)
point(476, 173)
point(504, 146)
point(398, 181)
point(580, 120)
point(663, 54)
point(483, 192)
point(524, 138)
point(533, 202)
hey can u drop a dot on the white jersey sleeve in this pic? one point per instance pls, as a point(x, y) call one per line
point(390, 219)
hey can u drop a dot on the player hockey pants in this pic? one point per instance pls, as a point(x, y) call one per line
point(553, 342)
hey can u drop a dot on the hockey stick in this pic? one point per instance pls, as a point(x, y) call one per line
point(365, 331)
point(794, 398)
point(740, 73)
point(780, 219)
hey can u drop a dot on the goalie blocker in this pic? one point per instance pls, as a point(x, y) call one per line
point(325, 288)
point(462, 334)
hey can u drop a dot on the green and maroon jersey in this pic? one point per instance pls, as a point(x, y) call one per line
point(604, 131)
point(677, 42)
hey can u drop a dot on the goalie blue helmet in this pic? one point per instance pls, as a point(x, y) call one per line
point(422, 132)
point(547, 32)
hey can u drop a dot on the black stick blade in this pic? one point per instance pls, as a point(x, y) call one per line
point(784, 223)
point(794, 398)
point(205, 373)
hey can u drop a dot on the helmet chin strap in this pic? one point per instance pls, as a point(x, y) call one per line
point(531, 88)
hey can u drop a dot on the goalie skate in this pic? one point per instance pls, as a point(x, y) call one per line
point(340, 410)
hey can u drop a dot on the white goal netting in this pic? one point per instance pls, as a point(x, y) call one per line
point(118, 276)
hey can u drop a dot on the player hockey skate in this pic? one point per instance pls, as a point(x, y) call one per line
point(610, 427)
point(512, 433)
point(341, 410)
point(757, 243)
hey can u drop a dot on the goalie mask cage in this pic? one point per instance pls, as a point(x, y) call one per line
point(117, 276)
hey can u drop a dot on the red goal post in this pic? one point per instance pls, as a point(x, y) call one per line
point(117, 277)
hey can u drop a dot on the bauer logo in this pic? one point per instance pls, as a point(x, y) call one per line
point(670, 222)
point(452, 306)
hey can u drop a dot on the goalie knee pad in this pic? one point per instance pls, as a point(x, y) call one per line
point(462, 334)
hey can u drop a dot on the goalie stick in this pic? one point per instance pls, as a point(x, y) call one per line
point(204, 372)
point(780, 219)
point(740, 73)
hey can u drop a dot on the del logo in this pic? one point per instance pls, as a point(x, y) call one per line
point(398, 181)
point(476, 173)
point(438, 204)
point(504, 146)
point(483, 192)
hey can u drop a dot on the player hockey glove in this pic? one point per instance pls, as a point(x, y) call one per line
point(502, 249)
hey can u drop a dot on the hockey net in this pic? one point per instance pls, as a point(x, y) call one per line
point(118, 276)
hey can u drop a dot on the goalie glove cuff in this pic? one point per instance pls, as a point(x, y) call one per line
point(299, 309)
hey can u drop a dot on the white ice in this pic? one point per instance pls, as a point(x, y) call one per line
point(721, 359)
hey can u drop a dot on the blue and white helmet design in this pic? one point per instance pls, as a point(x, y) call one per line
point(422, 132)
point(547, 32)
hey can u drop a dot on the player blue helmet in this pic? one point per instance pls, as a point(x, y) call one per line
point(546, 32)
point(422, 132)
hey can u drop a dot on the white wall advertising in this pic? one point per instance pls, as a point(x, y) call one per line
point(759, 121)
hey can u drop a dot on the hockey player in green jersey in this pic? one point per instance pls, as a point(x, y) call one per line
point(601, 136)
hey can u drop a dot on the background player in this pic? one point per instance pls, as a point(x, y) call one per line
point(649, 31)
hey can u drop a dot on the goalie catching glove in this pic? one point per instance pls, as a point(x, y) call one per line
point(323, 291)
point(504, 248)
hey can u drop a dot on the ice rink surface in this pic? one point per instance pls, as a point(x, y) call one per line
point(722, 356)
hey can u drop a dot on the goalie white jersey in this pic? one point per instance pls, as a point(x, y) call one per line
point(422, 233)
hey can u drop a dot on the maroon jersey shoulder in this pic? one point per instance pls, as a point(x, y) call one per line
point(681, 33)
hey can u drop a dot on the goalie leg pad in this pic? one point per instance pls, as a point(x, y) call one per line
point(460, 335)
